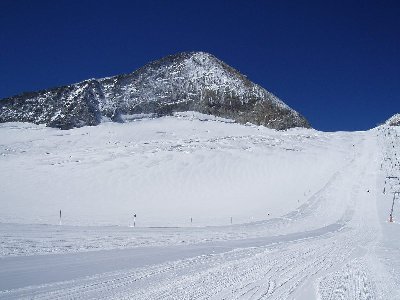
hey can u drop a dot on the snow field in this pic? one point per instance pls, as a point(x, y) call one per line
point(165, 170)
point(327, 235)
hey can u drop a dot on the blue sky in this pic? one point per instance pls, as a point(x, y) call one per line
point(336, 62)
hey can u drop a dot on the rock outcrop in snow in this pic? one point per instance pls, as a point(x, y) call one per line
point(394, 121)
point(190, 81)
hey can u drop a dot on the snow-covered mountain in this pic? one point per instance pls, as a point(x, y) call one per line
point(189, 81)
point(394, 120)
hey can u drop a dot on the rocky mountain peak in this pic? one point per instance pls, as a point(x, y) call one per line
point(195, 81)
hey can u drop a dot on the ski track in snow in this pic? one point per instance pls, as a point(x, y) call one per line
point(335, 244)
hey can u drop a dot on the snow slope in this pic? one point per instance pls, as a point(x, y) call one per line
point(327, 235)
point(165, 170)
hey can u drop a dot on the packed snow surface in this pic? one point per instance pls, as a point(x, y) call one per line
point(223, 211)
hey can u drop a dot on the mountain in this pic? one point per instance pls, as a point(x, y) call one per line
point(189, 81)
point(394, 120)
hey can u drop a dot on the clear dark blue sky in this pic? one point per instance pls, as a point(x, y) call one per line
point(336, 62)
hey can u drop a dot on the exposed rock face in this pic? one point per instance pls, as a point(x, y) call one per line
point(193, 81)
point(394, 121)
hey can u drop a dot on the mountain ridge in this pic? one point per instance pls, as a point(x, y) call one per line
point(393, 120)
point(186, 81)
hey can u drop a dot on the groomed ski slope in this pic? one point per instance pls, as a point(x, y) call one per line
point(309, 216)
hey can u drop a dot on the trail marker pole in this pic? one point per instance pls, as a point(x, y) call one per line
point(391, 211)
point(60, 218)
